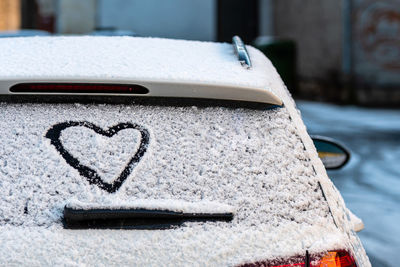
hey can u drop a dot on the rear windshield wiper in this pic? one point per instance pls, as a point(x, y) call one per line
point(134, 218)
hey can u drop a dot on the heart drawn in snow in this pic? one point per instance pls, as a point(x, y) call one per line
point(90, 174)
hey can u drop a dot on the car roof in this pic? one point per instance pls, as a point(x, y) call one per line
point(172, 68)
point(297, 169)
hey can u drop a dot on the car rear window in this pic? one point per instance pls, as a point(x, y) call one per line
point(250, 159)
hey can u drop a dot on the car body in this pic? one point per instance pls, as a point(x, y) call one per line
point(167, 129)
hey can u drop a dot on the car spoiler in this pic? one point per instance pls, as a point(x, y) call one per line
point(104, 87)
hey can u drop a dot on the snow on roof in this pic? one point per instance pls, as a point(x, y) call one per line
point(147, 61)
point(127, 58)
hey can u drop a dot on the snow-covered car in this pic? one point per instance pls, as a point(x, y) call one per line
point(149, 152)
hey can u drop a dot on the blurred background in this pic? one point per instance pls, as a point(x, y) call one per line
point(339, 58)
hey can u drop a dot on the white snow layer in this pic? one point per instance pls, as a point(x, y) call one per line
point(250, 160)
point(129, 58)
point(152, 204)
point(261, 163)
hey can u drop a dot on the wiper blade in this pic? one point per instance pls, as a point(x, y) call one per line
point(134, 218)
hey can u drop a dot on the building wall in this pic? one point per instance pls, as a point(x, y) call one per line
point(75, 16)
point(9, 15)
point(316, 26)
point(376, 42)
point(266, 17)
point(195, 19)
point(348, 50)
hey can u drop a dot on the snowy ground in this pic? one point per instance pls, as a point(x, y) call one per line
point(370, 184)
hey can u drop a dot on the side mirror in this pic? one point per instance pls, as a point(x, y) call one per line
point(332, 153)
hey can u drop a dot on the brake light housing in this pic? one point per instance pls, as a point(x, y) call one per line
point(79, 88)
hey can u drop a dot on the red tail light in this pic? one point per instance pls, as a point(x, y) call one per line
point(78, 88)
point(331, 259)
